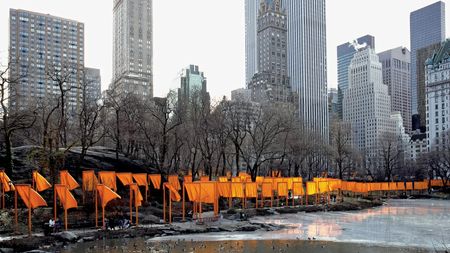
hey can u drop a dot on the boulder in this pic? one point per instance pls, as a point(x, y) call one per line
point(7, 250)
point(67, 236)
point(149, 219)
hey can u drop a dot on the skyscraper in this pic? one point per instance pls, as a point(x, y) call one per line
point(307, 62)
point(396, 75)
point(251, 31)
point(345, 53)
point(271, 82)
point(306, 54)
point(427, 26)
point(367, 105)
point(39, 45)
point(133, 47)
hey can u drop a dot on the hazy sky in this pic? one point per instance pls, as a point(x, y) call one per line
point(211, 34)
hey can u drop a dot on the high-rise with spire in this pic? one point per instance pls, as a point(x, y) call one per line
point(133, 47)
point(271, 82)
point(306, 58)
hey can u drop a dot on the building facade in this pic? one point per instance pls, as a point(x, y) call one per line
point(345, 53)
point(133, 47)
point(333, 102)
point(437, 95)
point(427, 26)
point(422, 55)
point(241, 94)
point(367, 105)
point(41, 45)
point(271, 82)
point(306, 54)
point(93, 82)
point(417, 146)
point(396, 75)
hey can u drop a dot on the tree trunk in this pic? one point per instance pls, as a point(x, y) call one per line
point(224, 163)
point(9, 156)
point(296, 170)
point(340, 169)
point(237, 159)
point(117, 135)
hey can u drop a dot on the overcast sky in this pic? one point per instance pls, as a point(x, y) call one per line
point(210, 33)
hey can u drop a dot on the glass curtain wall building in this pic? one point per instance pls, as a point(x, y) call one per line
point(427, 26)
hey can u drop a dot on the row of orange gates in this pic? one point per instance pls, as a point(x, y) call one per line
point(104, 187)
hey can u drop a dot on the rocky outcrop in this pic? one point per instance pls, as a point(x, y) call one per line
point(97, 158)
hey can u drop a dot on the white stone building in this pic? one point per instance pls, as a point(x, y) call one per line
point(417, 146)
point(367, 105)
point(437, 82)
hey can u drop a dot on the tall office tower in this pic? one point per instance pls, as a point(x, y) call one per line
point(39, 45)
point(306, 54)
point(396, 75)
point(307, 62)
point(133, 47)
point(345, 53)
point(422, 55)
point(437, 96)
point(427, 26)
point(271, 82)
point(367, 105)
point(193, 88)
point(93, 82)
point(251, 31)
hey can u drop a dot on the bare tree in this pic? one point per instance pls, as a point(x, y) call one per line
point(159, 124)
point(114, 102)
point(89, 116)
point(340, 142)
point(264, 135)
point(12, 121)
point(221, 136)
point(238, 116)
point(390, 154)
point(438, 160)
point(61, 78)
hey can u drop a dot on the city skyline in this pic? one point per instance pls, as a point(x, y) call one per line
point(99, 32)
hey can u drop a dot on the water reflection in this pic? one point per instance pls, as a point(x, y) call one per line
point(424, 223)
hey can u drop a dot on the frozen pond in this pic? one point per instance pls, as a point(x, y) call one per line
point(399, 226)
point(421, 223)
